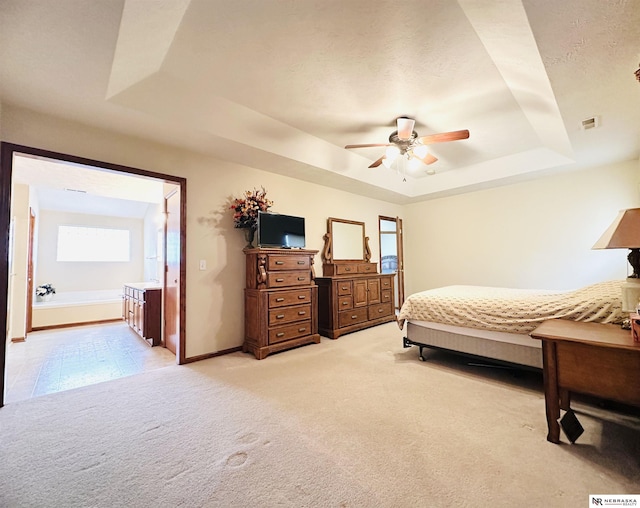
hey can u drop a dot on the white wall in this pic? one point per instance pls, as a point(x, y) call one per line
point(86, 276)
point(535, 234)
point(214, 312)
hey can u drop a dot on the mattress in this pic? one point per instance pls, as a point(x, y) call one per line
point(517, 311)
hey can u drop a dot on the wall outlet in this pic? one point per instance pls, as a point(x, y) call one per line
point(203, 264)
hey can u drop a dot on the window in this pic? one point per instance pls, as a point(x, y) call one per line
point(78, 243)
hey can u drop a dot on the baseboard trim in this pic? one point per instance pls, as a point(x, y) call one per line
point(70, 325)
point(192, 359)
point(17, 339)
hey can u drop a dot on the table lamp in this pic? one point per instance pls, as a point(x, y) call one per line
point(624, 233)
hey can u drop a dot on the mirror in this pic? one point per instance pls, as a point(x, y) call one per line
point(345, 241)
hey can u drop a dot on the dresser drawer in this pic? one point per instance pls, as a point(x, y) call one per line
point(289, 314)
point(386, 296)
point(351, 317)
point(345, 302)
point(283, 333)
point(367, 268)
point(380, 310)
point(386, 283)
point(282, 279)
point(284, 298)
point(276, 262)
point(344, 269)
point(344, 287)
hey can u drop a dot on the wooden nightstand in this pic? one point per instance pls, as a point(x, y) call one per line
point(591, 358)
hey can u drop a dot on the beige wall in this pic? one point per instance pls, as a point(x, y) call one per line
point(535, 234)
point(85, 276)
point(532, 234)
point(214, 312)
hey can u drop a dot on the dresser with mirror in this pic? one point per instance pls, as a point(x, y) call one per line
point(352, 295)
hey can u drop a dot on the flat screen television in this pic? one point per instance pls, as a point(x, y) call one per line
point(276, 230)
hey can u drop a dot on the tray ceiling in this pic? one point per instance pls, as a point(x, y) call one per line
point(283, 86)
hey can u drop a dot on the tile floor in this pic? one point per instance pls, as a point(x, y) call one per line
point(56, 360)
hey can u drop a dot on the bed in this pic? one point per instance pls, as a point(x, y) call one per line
point(494, 323)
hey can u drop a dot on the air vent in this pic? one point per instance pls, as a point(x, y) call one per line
point(590, 123)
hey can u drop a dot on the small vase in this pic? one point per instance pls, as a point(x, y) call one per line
point(249, 235)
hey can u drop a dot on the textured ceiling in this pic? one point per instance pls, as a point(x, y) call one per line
point(282, 85)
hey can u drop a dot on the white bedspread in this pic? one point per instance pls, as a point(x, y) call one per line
point(513, 310)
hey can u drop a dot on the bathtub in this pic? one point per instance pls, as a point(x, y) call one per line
point(77, 307)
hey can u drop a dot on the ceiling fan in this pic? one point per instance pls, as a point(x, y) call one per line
point(405, 142)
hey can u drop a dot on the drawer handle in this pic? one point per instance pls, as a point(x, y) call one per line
point(279, 299)
point(345, 303)
point(380, 311)
point(281, 334)
point(301, 278)
point(301, 297)
point(354, 316)
point(279, 280)
point(302, 312)
point(279, 262)
point(347, 269)
point(344, 288)
point(302, 329)
point(280, 316)
point(301, 262)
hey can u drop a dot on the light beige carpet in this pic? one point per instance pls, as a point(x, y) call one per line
point(358, 421)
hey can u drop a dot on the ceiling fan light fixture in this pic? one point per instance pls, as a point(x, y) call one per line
point(414, 164)
point(391, 153)
point(420, 151)
point(405, 127)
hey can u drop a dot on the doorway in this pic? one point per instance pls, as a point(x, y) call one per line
point(8, 156)
point(392, 255)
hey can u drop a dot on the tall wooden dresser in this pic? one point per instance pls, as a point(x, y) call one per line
point(280, 300)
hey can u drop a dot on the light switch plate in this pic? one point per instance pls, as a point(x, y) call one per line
point(203, 264)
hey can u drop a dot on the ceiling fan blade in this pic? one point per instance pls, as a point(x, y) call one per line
point(427, 159)
point(367, 145)
point(444, 136)
point(405, 127)
point(377, 163)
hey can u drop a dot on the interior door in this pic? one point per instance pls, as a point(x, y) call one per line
point(391, 254)
point(400, 250)
point(32, 225)
point(172, 272)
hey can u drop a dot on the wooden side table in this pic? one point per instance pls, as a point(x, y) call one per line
point(590, 358)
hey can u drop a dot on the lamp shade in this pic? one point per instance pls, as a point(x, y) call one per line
point(405, 127)
point(624, 233)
